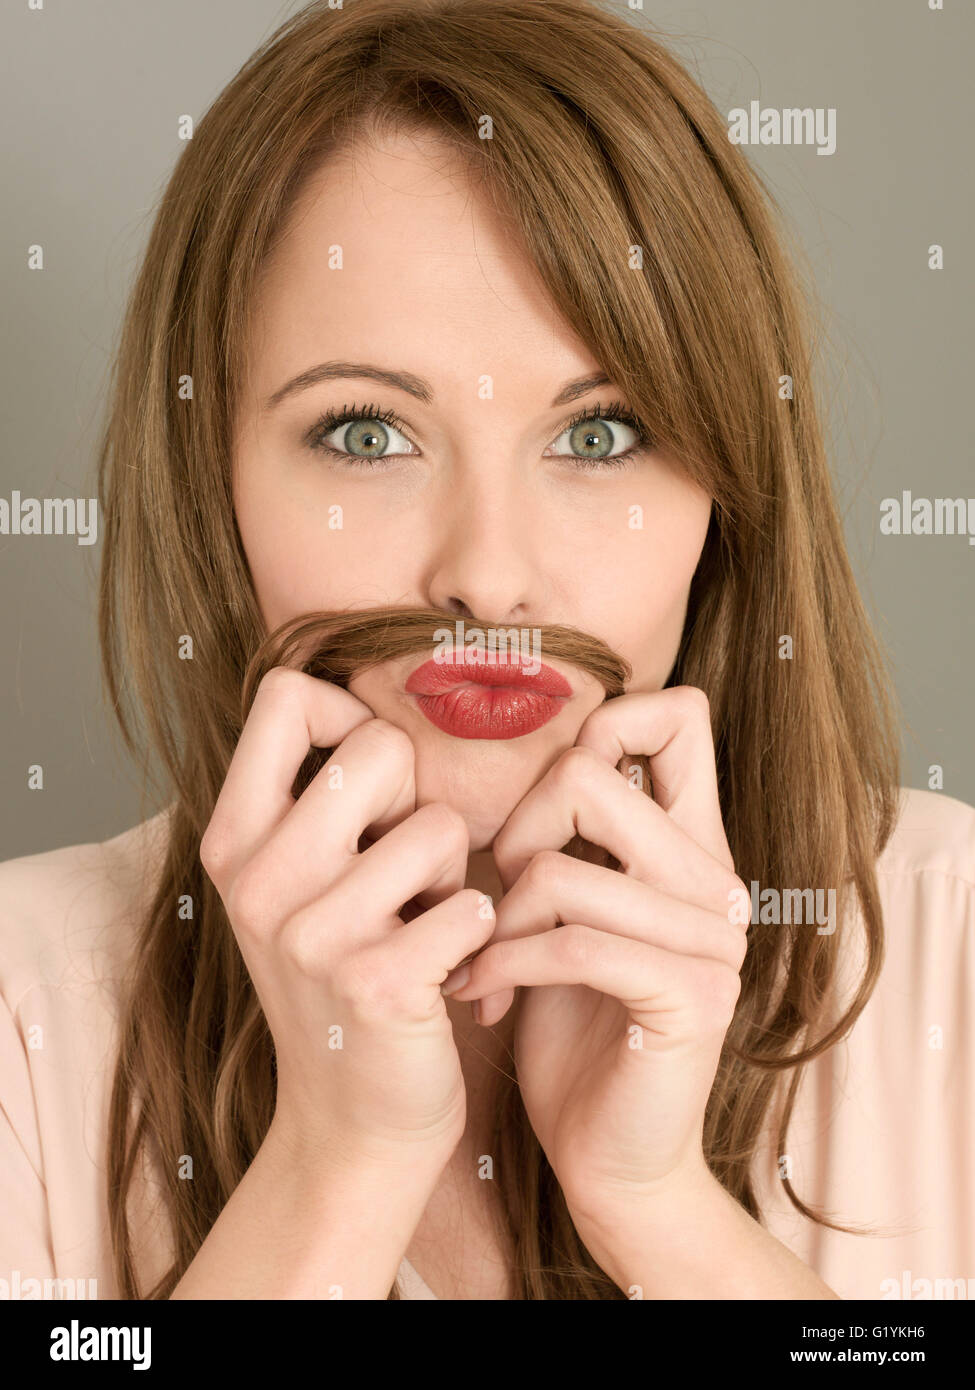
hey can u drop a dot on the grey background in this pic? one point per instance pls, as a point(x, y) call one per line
point(90, 94)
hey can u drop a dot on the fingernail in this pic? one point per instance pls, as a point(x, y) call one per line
point(457, 979)
point(476, 1010)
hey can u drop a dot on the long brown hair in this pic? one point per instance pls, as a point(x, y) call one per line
point(660, 247)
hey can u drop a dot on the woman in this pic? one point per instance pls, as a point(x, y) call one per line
point(508, 343)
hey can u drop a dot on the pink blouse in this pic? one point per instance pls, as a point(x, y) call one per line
point(882, 1136)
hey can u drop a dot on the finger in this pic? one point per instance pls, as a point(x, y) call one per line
point(388, 973)
point(291, 712)
point(653, 984)
point(556, 889)
point(582, 794)
point(493, 1007)
point(370, 774)
point(672, 728)
point(429, 850)
point(429, 948)
point(425, 858)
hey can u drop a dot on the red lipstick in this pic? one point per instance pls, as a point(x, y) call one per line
point(470, 696)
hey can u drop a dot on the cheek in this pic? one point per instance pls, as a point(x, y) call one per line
point(312, 546)
point(645, 591)
point(279, 574)
point(297, 553)
point(267, 526)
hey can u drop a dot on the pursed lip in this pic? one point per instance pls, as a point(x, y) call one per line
point(479, 696)
point(437, 676)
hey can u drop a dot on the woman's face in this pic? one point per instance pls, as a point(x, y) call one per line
point(472, 495)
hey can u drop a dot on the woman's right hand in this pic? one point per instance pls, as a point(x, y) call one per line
point(367, 1068)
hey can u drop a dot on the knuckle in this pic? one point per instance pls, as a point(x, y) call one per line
point(740, 951)
point(345, 978)
point(215, 850)
point(302, 944)
point(719, 990)
point(282, 684)
point(597, 729)
point(301, 948)
point(733, 939)
point(734, 897)
point(575, 944)
point(738, 900)
point(496, 962)
point(691, 701)
point(594, 720)
point(388, 741)
point(577, 767)
point(248, 901)
point(369, 985)
point(499, 846)
point(545, 869)
point(447, 826)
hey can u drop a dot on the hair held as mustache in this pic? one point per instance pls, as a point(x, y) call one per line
point(336, 646)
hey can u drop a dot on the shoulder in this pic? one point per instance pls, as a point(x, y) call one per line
point(926, 890)
point(926, 884)
point(934, 836)
point(880, 1134)
point(69, 915)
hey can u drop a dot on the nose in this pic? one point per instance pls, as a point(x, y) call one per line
point(488, 553)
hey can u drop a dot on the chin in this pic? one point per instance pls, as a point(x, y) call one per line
point(480, 830)
point(482, 780)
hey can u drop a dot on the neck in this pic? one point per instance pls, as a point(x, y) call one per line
point(482, 1051)
point(482, 874)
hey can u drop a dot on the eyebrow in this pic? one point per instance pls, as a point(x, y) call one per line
point(405, 381)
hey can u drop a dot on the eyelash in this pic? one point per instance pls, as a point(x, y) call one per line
point(615, 411)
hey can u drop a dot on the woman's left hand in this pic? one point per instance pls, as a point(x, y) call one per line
point(633, 974)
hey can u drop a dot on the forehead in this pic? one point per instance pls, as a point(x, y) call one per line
point(395, 247)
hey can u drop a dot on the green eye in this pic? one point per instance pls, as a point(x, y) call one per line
point(359, 433)
point(607, 435)
point(601, 437)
